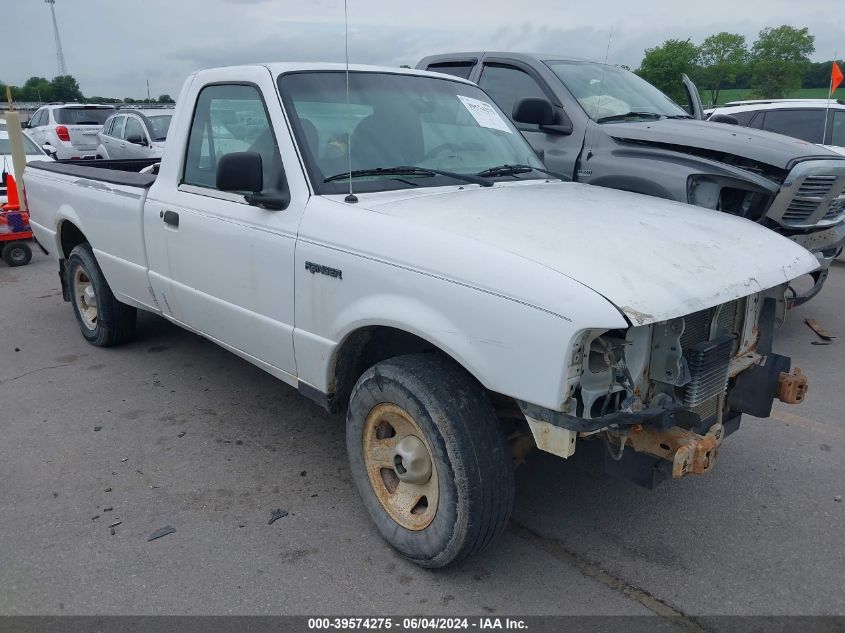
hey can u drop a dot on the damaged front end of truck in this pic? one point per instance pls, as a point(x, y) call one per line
point(662, 396)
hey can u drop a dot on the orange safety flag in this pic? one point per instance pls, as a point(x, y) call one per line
point(14, 202)
point(835, 77)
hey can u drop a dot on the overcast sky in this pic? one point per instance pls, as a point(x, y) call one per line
point(113, 46)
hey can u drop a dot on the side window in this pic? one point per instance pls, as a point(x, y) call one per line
point(37, 118)
point(117, 126)
point(133, 128)
point(807, 125)
point(838, 128)
point(230, 118)
point(757, 119)
point(458, 69)
point(507, 85)
point(744, 118)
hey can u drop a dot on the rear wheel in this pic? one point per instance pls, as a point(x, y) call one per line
point(17, 254)
point(429, 458)
point(103, 320)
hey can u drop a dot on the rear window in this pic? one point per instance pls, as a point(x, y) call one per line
point(82, 115)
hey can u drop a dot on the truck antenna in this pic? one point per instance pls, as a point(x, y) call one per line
point(351, 197)
point(601, 87)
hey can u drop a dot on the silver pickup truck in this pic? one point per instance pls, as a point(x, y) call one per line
point(601, 124)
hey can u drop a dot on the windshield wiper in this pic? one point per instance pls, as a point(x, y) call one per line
point(406, 170)
point(629, 115)
point(511, 170)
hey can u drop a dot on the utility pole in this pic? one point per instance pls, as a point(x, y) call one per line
point(148, 90)
point(60, 55)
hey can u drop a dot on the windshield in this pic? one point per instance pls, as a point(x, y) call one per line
point(160, 123)
point(610, 91)
point(85, 115)
point(29, 148)
point(397, 120)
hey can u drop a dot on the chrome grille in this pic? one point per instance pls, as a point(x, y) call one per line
point(812, 194)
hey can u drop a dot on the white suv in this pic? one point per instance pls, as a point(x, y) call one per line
point(69, 130)
point(800, 118)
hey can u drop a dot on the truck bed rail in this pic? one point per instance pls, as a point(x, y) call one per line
point(116, 172)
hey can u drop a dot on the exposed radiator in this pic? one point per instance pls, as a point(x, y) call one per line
point(708, 365)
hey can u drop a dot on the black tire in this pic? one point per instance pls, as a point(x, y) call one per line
point(115, 321)
point(474, 469)
point(17, 254)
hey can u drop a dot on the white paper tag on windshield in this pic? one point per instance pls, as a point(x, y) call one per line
point(484, 114)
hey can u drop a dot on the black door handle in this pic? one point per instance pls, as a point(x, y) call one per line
point(171, 218)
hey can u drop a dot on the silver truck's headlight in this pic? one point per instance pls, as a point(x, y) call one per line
point(729, 195)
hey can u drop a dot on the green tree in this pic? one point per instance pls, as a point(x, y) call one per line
point(165, 99)
point(36, 89)
point(722, 56)
point(664, 65)
point(66, 88)
point(779, 58)
point(129, 100)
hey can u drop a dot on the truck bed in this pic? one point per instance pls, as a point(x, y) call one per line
point(116, 172)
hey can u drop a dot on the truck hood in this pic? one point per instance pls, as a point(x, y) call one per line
point(652, 258)
point(758, 145)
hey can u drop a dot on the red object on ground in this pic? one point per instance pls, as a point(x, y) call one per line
point(14, 223)
point(13, 203)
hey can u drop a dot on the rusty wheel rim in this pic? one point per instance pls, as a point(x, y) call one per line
point(399, 465)
point(85, 298)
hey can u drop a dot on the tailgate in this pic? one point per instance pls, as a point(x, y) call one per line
point(84, 136)
point(83, 123)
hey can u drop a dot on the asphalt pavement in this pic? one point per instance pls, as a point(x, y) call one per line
point(172, 430)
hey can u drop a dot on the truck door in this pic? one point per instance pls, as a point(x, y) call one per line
point(218, 264)
point(507, 84)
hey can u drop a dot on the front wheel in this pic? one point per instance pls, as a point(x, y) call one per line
point(17, 254)
point(103, 320)
point(429, 458)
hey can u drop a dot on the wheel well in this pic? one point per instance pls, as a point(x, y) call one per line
point(70, 237)
point(365, 347)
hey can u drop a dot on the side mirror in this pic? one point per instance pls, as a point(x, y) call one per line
point(136, 139)
point(534, 111)
point(240, 171)
point(244, 172)
point(724, 118)
point(541, 112)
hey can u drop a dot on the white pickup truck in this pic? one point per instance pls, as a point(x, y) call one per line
point(397, 250)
